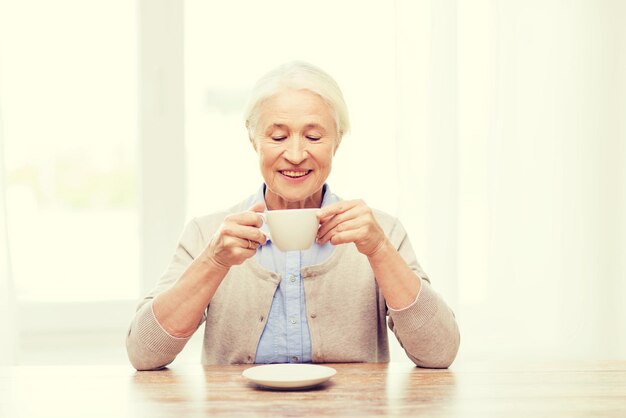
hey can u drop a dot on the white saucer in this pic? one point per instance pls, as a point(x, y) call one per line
point(289, 376)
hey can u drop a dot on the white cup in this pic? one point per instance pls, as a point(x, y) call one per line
point(292, 229)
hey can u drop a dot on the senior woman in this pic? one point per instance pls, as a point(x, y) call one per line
point(326, 304)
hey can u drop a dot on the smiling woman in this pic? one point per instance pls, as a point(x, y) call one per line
point(295, 138)
point(264, 305)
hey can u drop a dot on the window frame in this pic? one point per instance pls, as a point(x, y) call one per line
point(161, 173)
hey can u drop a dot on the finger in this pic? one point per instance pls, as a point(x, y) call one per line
point(251, 245)
point(248, 218)
point(339, 219)
point(257, 240)
point(346, 237)
point(257, 236)
point(349, 225)
point(324, 219)
point(243, 232)
point(330, 225)
point(335, 209)
point(252, 233)
point(258, 207)
point(238, 244)
point(339, 208)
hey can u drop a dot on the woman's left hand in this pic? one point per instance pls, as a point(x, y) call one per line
point(350, 221)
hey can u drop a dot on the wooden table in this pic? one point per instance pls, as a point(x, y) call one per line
point(575, 390)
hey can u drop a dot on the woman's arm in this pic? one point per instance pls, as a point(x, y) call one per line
point(420, 319)
point(180, 308)
point(399, 284)
point(149, 346)
point(164, 324)
point(353, 221)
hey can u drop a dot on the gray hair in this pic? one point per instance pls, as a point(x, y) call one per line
point(298, 75)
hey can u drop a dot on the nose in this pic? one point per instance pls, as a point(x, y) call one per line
point(295, 151)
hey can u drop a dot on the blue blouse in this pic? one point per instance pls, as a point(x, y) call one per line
point(286, 337)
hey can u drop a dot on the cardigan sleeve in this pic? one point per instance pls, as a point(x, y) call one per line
point(427, 329)
point(148, 345)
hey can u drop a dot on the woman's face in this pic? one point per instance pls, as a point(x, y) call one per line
point(295, 138)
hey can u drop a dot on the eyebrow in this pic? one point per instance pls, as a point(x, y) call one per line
point(307, 126)
point(314, 126)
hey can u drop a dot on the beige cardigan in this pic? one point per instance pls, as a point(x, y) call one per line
point(346, 310)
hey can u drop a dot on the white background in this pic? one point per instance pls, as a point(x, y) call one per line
point(494, 130)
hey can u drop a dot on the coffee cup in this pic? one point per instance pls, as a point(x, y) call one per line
point(292, 229)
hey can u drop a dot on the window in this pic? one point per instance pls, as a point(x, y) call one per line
point(68, 97)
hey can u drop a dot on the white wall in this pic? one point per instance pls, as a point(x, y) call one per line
point(506, 164)
point(511, 147)
point(7, 302)
point(541, 178)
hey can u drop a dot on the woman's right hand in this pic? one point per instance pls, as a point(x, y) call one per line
point(179, 309)
point(237, 238)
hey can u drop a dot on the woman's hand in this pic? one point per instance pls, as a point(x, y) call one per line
point(351, 221)
point(179, 309)
point(237, 239)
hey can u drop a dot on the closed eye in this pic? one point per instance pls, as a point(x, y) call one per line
point(313, 138)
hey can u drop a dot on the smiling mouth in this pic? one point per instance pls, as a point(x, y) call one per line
point(294, 174)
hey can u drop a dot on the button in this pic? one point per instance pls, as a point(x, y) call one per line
point(293, 321)
point(294, 358)
point(314, 315)
point(249, 359)
point(292, 278)
point(261, 318)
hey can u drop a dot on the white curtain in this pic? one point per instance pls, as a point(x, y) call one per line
point(7, 305)
point(512, 131)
